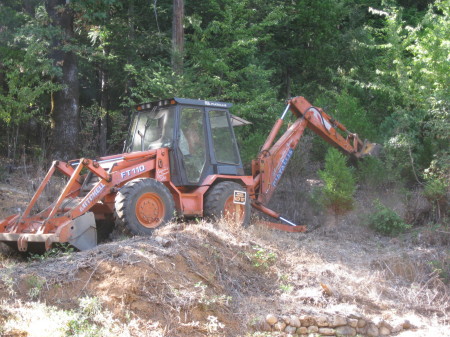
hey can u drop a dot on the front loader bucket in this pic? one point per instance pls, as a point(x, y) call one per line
point(80, 233)
point(66, 220)
point(84, 232)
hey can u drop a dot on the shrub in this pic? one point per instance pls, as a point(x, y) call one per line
point(339, 183)
point(385, 221)
point(435, 190)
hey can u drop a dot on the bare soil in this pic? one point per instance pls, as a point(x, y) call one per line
point(202, 279)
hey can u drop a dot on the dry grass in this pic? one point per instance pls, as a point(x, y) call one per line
point(200, 279)
point(206, 279)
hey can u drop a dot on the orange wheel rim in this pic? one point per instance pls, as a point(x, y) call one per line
point(150, 210)
point(232, 211)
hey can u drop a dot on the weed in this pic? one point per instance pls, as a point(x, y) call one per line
point(35, 284)
point(9, 283)
point(213, 324)
point(61, 250)
point(81, 327)
point(286, 288)
point(262, 258)
point(90, 306)
point(213, 299)
point(442, 268)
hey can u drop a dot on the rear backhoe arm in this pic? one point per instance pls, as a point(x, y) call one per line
point(273, 158)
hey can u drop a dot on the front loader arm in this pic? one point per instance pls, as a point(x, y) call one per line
point(71, 217)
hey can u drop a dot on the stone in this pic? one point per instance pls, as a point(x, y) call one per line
point(313, 329)
point(372, 330)
point(382, 322)
point(384, 331)
point(295, 321)
point(286, 320)
point(303, 330)
point(353, 322)
point(398, 328)
point(265, 327)
point(307, 321)
point(407, 325)
point(163, 241)
point(361, 331)
point(355, 316)
point(279, 326)
point(345, 331)
point(361, 323)
point(257, 325)
point(327, 331)
point(290, 329)
point(322, 321)
point(338, 320)
point(271, 319)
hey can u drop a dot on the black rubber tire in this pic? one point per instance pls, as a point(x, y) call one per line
point(125, 213)
point(219, 195)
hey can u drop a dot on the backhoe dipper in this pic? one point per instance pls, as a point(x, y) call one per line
point(180, 157)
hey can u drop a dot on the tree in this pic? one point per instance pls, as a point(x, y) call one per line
point(65, 110)
point(336, 195)
point(178, 36)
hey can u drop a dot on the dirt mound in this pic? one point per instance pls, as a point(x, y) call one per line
point(198, 279)
point(177, 278)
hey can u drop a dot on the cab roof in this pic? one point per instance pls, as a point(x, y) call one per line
point(184, 101)
point(235, 120)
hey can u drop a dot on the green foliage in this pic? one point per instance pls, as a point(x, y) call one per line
point(435, 189)
point(385, 221)
point(35, 284)
point(410, 84)
point(442, 268)
point(262, 258)
point(372, 172)
point(348, 110)
point(58, 251)
point(82, 324)
point(339, 183)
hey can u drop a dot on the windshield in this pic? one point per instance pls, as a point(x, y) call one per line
point(151, 129)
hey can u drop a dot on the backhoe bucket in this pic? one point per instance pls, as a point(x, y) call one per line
point(370, 149)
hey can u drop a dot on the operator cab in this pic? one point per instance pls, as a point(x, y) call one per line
point(199, 135)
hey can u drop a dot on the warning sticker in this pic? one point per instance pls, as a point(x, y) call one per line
point(240, 197)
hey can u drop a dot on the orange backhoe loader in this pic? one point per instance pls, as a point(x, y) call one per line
point(180, 157)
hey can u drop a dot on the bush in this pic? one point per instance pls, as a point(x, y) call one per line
point(372, 172)
point(385, 221)
point(435, 190)
point(339, 183)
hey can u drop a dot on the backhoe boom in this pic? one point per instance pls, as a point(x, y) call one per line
point(272, 160)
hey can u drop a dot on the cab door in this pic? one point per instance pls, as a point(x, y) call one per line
point(224, 150)
point(192, 158)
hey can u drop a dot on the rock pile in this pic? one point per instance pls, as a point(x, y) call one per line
point(337, 325)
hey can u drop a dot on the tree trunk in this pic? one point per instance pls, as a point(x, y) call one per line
point(103, 112)
point(178, 36)
point(65, 102)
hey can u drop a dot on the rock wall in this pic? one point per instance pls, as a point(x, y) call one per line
point(336, 325)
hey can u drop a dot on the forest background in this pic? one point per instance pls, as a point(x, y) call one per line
point(71, 72)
